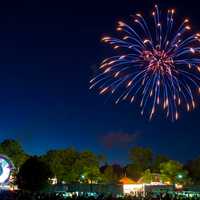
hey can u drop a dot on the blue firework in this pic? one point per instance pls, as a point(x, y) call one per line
point(157, 66)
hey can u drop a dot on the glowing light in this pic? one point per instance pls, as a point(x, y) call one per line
point(177, 115)
point(192, 50)
point(107, 70)
point(125, 37)
point(6, 167)
point(161, 68)
point(186, 21)
point(188, 28)
point(139, 15)
point(116, 47)
point(132, 99)
point(103, 90)
point(130, 188)
point(173, 11)
point(116, 74)
point(146, 41)
point(188, 107)
point(119, 29)
point(159, 24)
point(120, 23)
point(129, 83)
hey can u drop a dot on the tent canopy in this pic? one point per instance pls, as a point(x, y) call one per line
point(126, 180)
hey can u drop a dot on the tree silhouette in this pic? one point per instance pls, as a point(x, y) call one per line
point(33, 175)
point(14, 150)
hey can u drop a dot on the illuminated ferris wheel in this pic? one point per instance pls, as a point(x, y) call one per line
point(6, 167)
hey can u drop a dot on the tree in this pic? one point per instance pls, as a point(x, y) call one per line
point(147, 176)
point(141, 157)
point(109, 175)
point(92, 174)
point(173, 171)
point(33, 175)
point(134, 171)
point(157, 161)
point(118, 170)
point(112, 173)
point(193, 168)
point(62, 163)
point(14, 151)
point(68, 165)
point(86, 167)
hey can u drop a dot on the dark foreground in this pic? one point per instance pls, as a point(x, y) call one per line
point(43, 196)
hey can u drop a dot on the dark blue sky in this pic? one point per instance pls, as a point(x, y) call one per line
point(48, 50)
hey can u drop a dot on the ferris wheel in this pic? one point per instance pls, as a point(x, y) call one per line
point(6, 167)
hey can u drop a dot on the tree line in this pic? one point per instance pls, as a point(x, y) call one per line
point(69, 166)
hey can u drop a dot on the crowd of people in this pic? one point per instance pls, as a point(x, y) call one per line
point(8, 195)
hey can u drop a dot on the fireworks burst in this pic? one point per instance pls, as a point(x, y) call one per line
point(159, 66)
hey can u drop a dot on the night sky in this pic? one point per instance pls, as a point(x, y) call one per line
point(48, 53)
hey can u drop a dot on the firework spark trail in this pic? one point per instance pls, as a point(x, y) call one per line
point(160, 65)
